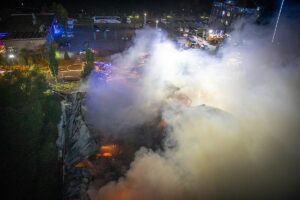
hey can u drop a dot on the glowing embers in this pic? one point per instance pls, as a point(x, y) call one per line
point(84, 164)
point(107, 151)
point(162, 124)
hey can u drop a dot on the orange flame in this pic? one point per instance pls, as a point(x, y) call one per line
point(84, 164)
point(162, 124)
point(107, 151)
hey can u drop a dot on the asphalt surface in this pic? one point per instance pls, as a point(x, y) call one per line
point(108, 38)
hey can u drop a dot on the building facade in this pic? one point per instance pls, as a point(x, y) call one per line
point(223, 14)
point(26, 31)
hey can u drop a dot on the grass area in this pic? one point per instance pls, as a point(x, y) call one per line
point(66, 86)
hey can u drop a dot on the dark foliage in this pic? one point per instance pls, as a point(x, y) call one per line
point(53, 62)
point(89, 62)
point(28, 122)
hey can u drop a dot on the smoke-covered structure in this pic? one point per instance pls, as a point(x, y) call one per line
point(232, 119)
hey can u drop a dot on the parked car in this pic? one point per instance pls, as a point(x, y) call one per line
point(125, 38)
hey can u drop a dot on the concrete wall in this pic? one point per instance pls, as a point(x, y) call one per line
point(30, 43)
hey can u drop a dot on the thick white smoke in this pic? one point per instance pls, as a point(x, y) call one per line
point(234, 117)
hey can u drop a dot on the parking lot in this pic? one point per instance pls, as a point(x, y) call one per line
point(109, 37)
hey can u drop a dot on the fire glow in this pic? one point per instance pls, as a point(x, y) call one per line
point(107, 151)
point(227, 127)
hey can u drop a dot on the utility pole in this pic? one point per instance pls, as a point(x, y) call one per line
point(145, 19)
point(275, 30)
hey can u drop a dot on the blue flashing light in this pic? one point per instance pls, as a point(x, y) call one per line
point(57, 30)
point(3, 34)
point(103, 65)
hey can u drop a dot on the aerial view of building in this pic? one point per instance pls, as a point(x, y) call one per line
point(29, 31)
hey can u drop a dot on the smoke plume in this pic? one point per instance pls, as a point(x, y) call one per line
point(234, 117)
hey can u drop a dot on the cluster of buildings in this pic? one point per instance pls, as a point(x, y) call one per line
point(217, 26)
point(33, 31)
point(225, 13)
point(26, 31)
point(30, 31)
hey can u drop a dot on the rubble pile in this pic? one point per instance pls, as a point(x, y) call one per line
point(92, 157)
point(75, 143)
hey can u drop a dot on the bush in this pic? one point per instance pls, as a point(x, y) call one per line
point(89, 63)
point(28, 131)
point(66, 56)
point(3, 61)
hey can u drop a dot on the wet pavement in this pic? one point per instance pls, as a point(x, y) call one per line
point(108, 38)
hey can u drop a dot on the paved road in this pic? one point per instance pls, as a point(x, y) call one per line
point(71, 72)
point(103, 40)
point(99, 41)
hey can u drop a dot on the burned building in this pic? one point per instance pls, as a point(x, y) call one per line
point(90, 155)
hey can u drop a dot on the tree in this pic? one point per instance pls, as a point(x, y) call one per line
point(3, 61)
point(28, 131)
point(66, 56)
point(89, 62)
point(136, 21)
point(23, 56)
point(61, 13)
point(44, 8)
point(53, 62)
point(32, 57)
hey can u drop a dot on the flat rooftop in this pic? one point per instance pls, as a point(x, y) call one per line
point(23, 26)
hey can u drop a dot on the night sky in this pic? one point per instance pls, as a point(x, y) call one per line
point(134, 4)
point(157, 7)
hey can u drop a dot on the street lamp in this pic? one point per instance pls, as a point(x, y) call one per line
point(11, 56)
point(156, 22)
point(145, 18)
